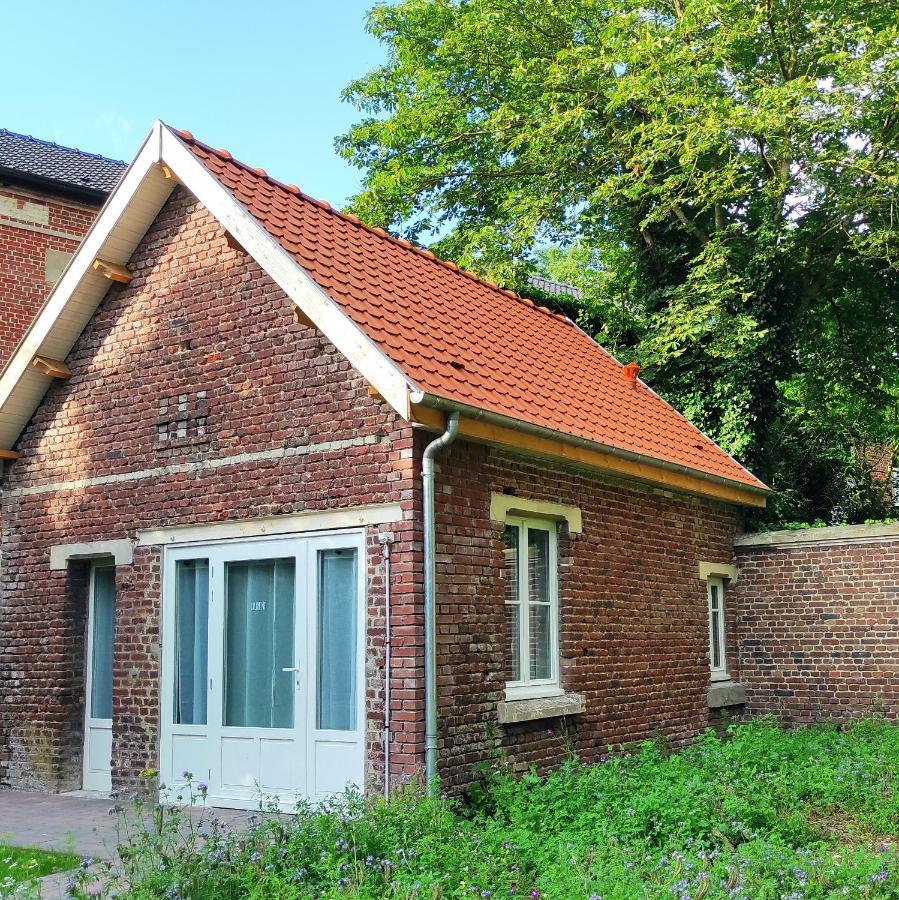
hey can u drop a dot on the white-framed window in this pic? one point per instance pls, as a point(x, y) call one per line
point(717, 631)
point(531, 549)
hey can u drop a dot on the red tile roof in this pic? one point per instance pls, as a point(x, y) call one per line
point(465, 339)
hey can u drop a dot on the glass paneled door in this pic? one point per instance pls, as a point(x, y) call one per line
point(98, 679)
point(262, 669)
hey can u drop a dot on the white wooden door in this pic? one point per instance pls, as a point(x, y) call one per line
point(98, 679)
point(261, 669)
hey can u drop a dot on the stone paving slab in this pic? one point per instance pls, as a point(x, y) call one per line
point(71, 824)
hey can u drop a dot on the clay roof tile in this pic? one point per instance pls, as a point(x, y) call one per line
point(485, 345)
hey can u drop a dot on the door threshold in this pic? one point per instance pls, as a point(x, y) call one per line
point(82, 794)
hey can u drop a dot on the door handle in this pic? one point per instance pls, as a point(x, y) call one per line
point(291, 669)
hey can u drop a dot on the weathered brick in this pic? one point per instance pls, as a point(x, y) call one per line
point(817, 629)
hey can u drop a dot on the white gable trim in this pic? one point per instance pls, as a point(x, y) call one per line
point(115, 233)
point(123, 221)
point(374, 365)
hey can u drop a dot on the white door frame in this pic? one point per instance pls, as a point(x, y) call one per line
point(96, 774)
point(316, 744)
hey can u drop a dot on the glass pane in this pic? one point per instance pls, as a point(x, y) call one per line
point(337, 640)
point(540, 657)
point(513, 644)
point(715, 625)
point(510, 545)
point(538, 565)
point(716, 640)
point(513, 611)
point(259, 639)
point(191, 640)
point(102, 637)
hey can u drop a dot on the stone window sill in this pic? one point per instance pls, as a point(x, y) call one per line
point(511, 711)
point(726, 693)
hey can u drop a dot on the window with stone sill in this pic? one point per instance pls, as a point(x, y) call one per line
point(530, 548)
point(717, 631)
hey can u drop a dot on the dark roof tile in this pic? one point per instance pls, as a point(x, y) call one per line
point(48, 162)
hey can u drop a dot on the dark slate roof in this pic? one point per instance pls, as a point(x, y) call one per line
point(28, 159)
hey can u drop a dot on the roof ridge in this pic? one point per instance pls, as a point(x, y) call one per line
point(45, 143)
point(380, 232)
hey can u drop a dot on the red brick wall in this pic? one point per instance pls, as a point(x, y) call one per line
point(198, 321)
point(199, 359)
point(818, 629)
point(31, 224)
point(633, 611)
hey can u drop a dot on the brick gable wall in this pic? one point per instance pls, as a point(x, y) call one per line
point(818, 629)
point(197, 361)
point(38, 232)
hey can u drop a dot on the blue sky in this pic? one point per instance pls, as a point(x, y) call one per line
point(262, 78)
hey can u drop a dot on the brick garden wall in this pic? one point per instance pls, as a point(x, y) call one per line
point(633, 611)
point(196, 361)
point(818, 622)
point(38, 232)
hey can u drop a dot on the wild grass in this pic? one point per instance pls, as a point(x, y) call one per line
point(20, 868)
point(760, 813)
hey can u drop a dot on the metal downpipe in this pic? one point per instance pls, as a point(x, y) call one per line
point(430, 545)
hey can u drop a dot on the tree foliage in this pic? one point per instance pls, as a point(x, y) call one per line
point(719, 178)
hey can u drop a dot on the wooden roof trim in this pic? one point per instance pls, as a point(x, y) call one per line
point(497, 435)
point(54, 368)
point(112, 271)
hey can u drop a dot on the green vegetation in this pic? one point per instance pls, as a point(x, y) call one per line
point(718, 177)
point(21, 867)
point(760, 814)
point(799, 526)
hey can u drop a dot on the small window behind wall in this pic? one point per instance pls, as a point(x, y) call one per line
point(717, 643)
point(102, 640)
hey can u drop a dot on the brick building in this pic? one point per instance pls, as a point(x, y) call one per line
point(49, 195)
point(292, 504)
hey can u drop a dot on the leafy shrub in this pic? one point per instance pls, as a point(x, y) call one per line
point(760, 814)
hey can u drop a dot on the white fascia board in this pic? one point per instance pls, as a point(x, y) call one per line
point(79, 266)
point(373, 364)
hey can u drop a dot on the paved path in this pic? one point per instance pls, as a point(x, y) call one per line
point(72, 823)
point(75, 824)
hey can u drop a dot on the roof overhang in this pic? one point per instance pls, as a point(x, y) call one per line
point(118, 229)
point(163, 162)
point(82, 194)
point(483, 426)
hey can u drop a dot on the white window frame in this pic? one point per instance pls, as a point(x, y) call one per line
point(528, 688)
point(717, 673)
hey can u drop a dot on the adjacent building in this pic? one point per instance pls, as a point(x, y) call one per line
point(49, 196)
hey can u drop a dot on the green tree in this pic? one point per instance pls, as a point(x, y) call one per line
point(719, 178)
